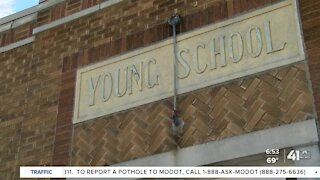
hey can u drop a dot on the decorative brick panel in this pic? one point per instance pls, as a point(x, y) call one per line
point(258, 102)
point(16, 34)
point(7, 38)
point(22, 32)
point(64, 9)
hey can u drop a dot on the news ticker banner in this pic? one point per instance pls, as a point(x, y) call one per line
point(169, 172)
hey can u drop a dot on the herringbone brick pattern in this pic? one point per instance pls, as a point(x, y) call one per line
point(311, 29)
point(258, 102)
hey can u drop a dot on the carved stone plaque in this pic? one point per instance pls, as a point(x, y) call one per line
point(251, 43)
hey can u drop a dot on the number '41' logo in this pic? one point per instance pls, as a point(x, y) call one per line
point(294, 155)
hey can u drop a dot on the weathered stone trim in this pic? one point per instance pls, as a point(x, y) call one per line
point(17, 44)
point(24, 20)
point(66, 19)
point(6, 27)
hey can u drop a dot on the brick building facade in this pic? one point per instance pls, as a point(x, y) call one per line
point(42, 48)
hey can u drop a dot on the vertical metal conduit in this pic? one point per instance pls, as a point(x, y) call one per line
point(177, 123)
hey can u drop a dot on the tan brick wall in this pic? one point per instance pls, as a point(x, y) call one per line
point(37, 87)
point(13, 94)
point(28, 96)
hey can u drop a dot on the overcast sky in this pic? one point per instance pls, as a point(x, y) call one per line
point(8, 7)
